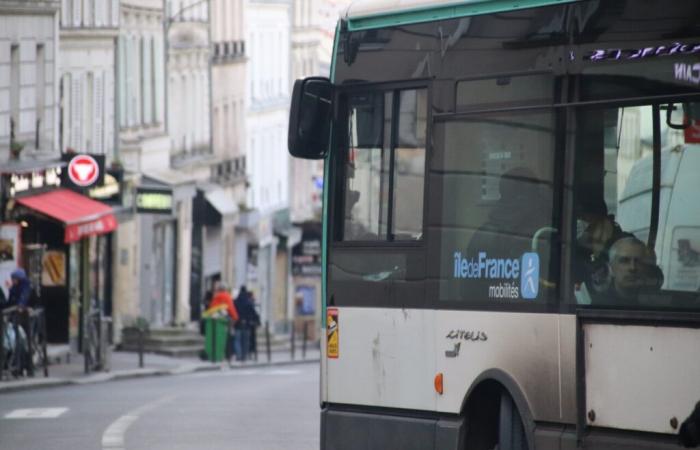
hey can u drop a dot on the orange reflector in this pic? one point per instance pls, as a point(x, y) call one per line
point(438, 383)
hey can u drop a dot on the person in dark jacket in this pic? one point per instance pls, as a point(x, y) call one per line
point(246, 324)
point(20, 292)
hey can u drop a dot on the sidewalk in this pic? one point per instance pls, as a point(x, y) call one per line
point(124, 365)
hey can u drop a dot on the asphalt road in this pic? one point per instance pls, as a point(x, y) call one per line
point(242, 409)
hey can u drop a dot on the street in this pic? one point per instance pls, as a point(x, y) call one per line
point(244, 409)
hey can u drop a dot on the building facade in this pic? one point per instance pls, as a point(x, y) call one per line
point(28, 78)
point(229, 82)
point(89, 31)
point(269, 27)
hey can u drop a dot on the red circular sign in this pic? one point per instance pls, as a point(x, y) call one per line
point(83, 170)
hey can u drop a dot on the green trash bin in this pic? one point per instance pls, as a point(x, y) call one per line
point(215, 338)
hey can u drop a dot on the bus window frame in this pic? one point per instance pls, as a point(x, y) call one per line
point(568, 303)
point(416, 249)
point(555, 304)
point(338, 161)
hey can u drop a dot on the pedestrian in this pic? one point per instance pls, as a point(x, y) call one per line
point(220, 302)
point(20, 290)
point(245, 324)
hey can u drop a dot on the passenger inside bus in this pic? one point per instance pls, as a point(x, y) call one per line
point(620, 275)
point(596, 232)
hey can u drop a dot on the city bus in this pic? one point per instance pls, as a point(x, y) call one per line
point(511, 250)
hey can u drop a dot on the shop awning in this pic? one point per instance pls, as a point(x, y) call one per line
point(223, 203)
point(81, 215)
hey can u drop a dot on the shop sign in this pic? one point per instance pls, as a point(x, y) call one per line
point(111, 190)
point(102, 225)
point(306, 258)
point(33, 181)
point(84, 171)
point(154, 201)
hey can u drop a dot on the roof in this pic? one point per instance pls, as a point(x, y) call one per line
point(365, 14)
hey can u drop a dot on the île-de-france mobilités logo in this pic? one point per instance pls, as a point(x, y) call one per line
point(530, 275)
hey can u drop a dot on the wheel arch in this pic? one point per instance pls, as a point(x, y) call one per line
point(509, 385)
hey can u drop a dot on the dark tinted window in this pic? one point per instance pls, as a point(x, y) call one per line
point(508, 90)
point(495, 227)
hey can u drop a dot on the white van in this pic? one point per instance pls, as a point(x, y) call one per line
point(678, 236)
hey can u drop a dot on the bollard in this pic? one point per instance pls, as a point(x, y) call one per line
point(267, 341)
point(44, 350)
point(293, 339)
point(305, 337)
point(26, 318)
point(140, 347)
point(2, 346)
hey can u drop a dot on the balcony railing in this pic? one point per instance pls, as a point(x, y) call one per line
point(228, 50)
point(229, 171)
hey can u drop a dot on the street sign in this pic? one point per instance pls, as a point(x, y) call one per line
point(83, 170)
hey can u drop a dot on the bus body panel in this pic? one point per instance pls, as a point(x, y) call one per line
point(520, 345)
point(619, 395)
point(383, 359)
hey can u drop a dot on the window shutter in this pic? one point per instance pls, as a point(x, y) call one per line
point(147, 82)
point(121, 74)
point(100, 10)
point(77, 12)
point(115, 12)
point(158, 79)
point(65, 13)
point(98, 110)
point(66, 103)
point(76, 111)
point(131, 100)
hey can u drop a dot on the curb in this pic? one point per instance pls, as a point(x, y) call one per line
point(43, 383)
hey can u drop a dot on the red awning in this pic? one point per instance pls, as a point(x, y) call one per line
point(82, 216)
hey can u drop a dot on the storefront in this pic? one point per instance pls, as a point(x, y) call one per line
point(158, 271)
point(65, 244)
point(213, 243)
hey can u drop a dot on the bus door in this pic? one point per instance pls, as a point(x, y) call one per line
point(380, 350)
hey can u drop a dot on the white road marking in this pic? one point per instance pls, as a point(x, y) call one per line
point(36, 413)
point(247, 372)
point(113, 437)
point(284, 372)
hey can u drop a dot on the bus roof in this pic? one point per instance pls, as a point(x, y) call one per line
point(367, 14)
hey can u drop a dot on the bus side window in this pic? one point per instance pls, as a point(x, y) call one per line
point(385, 166)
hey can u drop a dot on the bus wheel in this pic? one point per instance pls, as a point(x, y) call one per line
point(493, 421)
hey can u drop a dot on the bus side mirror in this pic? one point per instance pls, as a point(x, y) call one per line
point(310, 118)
